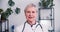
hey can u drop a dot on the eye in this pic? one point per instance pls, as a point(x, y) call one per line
point(28, 11)
point(33, 11)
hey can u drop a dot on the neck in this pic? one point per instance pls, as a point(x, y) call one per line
point(31, 22)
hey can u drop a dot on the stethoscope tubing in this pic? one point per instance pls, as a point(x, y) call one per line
point(36, 26)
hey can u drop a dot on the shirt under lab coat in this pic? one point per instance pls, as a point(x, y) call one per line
point(28, 28)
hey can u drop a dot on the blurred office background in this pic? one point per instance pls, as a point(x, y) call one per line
point(18, 19)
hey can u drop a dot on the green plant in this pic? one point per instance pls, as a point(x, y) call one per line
point(1, 10)
point(6, 14)
point(9, 11)
point(46, 3)
point(11, 3)
point(17, 10)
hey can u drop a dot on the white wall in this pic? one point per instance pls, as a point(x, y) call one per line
point(16, 20)
point(57, 15)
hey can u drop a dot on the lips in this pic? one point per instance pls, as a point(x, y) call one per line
point(30, 17)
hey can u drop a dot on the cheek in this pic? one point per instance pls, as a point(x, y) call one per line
point(27, 15)
point(34, 15)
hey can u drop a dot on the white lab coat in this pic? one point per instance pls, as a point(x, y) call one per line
point(28, 28)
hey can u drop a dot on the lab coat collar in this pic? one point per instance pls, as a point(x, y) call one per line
point(34, 25)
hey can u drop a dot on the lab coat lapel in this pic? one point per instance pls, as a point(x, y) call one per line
point(38, 29)
point(27, 28)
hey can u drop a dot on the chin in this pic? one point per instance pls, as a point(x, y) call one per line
point(31, 20)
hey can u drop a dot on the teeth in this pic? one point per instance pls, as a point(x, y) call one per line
point(30, 17)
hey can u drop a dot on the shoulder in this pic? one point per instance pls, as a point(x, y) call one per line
point(19, 28)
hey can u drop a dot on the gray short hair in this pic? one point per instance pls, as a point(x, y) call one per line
point(30, 5)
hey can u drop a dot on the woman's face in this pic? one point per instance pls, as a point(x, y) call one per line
point(30, 13)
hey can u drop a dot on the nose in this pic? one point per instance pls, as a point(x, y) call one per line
point(30, 14)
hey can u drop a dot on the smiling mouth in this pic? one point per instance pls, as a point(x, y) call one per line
point(30, 17)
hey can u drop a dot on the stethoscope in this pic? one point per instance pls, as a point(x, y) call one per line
point(36, 26)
